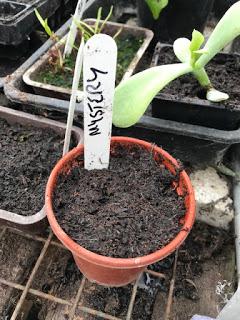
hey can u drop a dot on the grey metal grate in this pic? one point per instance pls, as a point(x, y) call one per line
point(74, 305)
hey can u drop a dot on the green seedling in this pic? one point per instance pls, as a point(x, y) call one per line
point(44, 23)
point(133, 96)
point(156, 7)
point(56, 57)
point(88, 31)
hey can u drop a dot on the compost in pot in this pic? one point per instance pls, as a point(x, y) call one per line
point(129, 210)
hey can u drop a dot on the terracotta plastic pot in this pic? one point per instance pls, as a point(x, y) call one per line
point(116, 271)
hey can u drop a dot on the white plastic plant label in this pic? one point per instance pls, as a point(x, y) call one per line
point(99, 72)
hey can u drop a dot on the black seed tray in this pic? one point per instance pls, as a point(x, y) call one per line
point(18, 20)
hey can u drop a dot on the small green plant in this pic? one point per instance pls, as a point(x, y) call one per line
point(87, 31)
point(56, 56)
point(156, 7)
point(133, 96)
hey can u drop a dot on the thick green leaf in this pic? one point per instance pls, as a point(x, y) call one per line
point(226, 30)
point(156, 6)
point(196, 42)
point(189, 51)
point(182, 51)
point(181, 48)
point(133, 96)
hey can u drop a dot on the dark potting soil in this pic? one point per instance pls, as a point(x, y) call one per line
point(115, 301)
point(127, 48)
point(204, 243)
point(27, 157)
point(127, 211)
point(223, 73)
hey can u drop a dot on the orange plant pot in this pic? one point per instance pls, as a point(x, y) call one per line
point(117, 271)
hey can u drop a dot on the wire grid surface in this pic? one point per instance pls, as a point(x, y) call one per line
point(74, 304)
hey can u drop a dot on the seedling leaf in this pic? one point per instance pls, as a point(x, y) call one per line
point(156, 7)
point(44, 23)
point(181, 48)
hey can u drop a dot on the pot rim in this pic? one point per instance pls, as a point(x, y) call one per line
point(126, 263)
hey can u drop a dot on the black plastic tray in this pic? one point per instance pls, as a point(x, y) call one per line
point(11, 10)
point(191, 143)
point(177, 20)
point(20, 19)
point(195, 110)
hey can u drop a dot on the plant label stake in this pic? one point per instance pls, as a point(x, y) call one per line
point(72, 104)
point(82, 5)
point(99, 72)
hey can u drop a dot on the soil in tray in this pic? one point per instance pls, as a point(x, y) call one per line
point(129, 210)
point(224, 74)
point(115, 301)
point(27, 157)
point(127, 48)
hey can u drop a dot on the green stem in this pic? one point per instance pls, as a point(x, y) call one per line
point(86, 27)
point(202, 77)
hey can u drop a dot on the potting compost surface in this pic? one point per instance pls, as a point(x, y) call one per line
point(27, 157)
point(223, 73)
point(63, 77)
point(129, 210)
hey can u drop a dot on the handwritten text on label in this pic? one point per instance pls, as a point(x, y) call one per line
point(99, 70)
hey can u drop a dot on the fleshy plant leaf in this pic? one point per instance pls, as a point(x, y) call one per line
point(156, 6)
point(196, 42)
point(227, 29)
point(133, 96)
point(189, 51)
point(216, 95)
point(181, 48)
